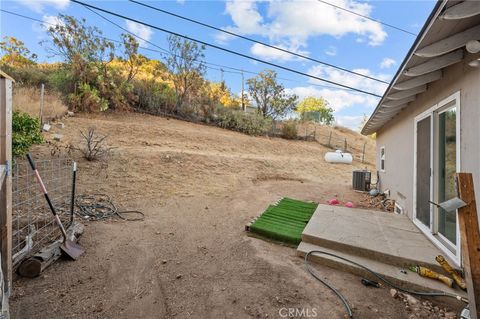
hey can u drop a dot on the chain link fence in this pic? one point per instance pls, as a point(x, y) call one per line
point(361, 150)
point(33, 226)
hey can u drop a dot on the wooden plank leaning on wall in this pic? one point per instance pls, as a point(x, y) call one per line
point(470, 240)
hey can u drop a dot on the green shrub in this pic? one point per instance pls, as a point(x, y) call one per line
point(289, 130)
point(251, 124)
point(25, 133)
point(154, 97)
point(87, 99)
point(61, 80)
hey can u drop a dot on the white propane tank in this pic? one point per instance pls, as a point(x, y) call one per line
point(338, 157)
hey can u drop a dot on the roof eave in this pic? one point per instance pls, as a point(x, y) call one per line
point(428, 23)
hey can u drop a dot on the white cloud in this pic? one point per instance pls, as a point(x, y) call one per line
point(52, 21)
point(269, 53)
point(181, 1)
point(350, 79)
point(337, 98)
point(387, 63)
point(39, 5)
point(331, 51)
point(351, 121)
point(294, 22)
point(139, 30)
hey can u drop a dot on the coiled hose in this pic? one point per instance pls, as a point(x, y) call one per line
point(380, 277)
point(100, 206)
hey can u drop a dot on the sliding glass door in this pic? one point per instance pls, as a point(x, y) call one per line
point(423, 171)
point(437, 159)
point(446, 168)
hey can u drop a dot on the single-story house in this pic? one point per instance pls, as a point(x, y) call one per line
point(427, 123)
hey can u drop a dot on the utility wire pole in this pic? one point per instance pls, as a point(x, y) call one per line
point(243, 97)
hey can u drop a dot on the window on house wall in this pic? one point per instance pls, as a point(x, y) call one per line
point(382, 158)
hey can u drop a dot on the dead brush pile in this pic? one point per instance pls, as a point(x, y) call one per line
point(378, 202)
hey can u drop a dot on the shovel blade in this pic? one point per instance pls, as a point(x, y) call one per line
point(72, 249)
point(452, 204)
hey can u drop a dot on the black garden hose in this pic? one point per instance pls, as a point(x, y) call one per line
point(380, 277)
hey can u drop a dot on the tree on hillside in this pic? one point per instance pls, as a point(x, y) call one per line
point(87, 57)
point(270, 96)
point(82, 47)
point(131, 57)
point(315, 109)
point(15, 53)
point(186, 66)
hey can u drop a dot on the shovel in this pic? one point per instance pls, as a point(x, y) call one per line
point(69, 247)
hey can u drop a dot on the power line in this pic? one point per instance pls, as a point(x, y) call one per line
point(219, 66)
point(225, 49)
point(163, 51)
point(367, 17)
point(256, 41)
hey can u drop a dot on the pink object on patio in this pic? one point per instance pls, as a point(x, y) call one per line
point(349, 204)
point(333, 201)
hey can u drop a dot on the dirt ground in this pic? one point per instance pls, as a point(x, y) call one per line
point(191, 258)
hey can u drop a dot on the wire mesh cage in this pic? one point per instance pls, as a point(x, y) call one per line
point(33, 225)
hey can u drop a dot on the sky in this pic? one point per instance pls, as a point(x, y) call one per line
point(308, 27)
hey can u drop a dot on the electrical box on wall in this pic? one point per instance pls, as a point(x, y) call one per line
point(398, 209)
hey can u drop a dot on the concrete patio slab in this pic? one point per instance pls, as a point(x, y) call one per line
point(390, 238)
point(386, 243)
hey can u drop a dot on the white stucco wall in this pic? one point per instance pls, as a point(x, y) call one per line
point(398, 135)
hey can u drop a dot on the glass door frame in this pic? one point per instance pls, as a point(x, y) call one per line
point(452, 250)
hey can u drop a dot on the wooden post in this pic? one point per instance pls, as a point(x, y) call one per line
point(330, 139)
point(42, 93)
point(363, 152)
point(470, 240)
point(345, 145)
point(6, 187)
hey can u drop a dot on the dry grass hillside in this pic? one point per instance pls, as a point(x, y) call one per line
point(27, 99)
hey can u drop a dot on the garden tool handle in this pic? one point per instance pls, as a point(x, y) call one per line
point(44, 191)
point(30, 160)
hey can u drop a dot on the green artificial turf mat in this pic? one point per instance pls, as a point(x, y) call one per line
point(284, 221)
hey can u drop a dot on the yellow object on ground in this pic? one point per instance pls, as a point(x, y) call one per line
point(425, 272)
point(446, 266)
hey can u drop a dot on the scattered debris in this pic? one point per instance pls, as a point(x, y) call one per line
point(378, 202)
point(179, 276)
point(449, 269)
point(46, 127)
point(70, 113)
point(393, 293)
point(57, 137)
point(370, 283)
point(422, 310)
point(60, 125)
